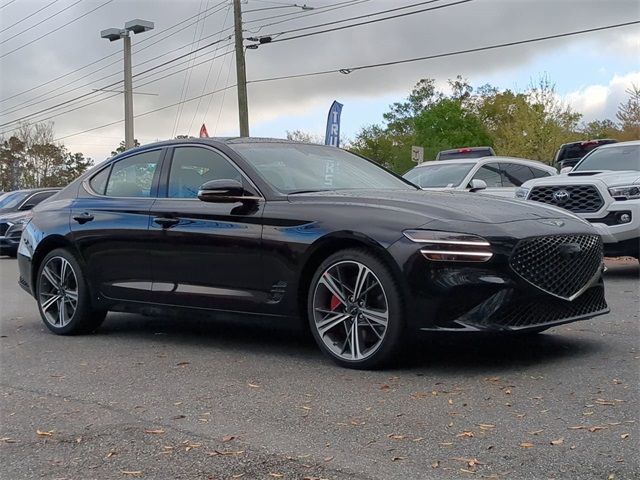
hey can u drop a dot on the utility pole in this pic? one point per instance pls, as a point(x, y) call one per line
point(241, 71)
point(128, 94)
point(112, 34)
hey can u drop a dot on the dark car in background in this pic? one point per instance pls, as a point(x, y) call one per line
point(465, 152)
point(569, 154)
point(15, 210)
point(287, 230)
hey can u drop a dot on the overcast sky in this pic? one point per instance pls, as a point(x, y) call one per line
point(590, 71)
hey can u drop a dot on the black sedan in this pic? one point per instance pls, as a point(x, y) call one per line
point(297, 231)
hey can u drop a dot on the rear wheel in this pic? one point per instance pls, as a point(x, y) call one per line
point(63, 296)
point(355, 310)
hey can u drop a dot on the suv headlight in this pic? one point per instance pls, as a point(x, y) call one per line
point(450, 247)
point(626, 192)
point(522, 193)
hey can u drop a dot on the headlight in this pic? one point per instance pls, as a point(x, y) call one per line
point(627, 192)
point(522, 193)
point(450, 247)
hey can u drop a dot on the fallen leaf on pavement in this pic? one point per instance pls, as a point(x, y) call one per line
point(154, 431)
point(595, 429)
point(559, 441)
point(465, 434)
point(624, 435)
point(228, 438)
point(486, 426)
point(276, 475)
point(182, 364)
point(43, 433)
point(225, 453)
point(395, 436)
point(253, 385)
point(536, 432)
point(133, 473)
point(395, 459)
point(526, 445)
point(435, 464)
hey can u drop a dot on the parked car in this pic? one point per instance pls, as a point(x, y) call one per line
point(495, 175)
point(285, 230)
point(15, 210)
point(569, 154)
point(465, 152)
point(604, 189)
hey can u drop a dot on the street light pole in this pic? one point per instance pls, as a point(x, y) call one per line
point(241, 71)
point(113, 34)
point(128, 94)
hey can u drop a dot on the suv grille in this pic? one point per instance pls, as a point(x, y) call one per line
point(4, 226)
point(576, 198)
point(560, 265)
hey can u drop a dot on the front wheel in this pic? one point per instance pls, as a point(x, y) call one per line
point(355, 310)
point(63, 295)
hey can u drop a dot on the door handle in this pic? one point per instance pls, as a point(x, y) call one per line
point(166, 222)
point(83, 218)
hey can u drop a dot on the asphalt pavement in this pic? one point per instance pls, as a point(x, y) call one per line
point(188, 399)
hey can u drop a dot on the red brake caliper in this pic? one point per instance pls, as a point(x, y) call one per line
point(335, 302)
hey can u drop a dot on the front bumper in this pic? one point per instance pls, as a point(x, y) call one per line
point(492, 296)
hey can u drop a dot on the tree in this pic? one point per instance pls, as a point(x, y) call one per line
point(302, 136)
point(601, 129)
point(121, 148)
point(629, 114)
point(31, 159)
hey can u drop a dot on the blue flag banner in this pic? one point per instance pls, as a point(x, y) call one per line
point(332, 136)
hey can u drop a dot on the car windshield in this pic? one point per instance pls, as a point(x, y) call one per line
point(439, 175)
point(298, 168)
point(622, 157)
point(12, 199)
point(575, 151)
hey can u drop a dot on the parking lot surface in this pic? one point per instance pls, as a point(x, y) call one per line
point(188, 399)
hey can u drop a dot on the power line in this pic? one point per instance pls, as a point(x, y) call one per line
point(99, 100)
point(448, 54)
point(39, 23)
point(110, 85)
point(400, 15)
point(7, 4)
point(145, 113)
point(30, 15)
point(147, 38)
point(56, 29)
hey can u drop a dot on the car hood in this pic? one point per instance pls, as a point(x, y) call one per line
point(609, 178)
point(438, 205)
point(14, 216)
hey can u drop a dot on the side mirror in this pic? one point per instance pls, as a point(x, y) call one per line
point(476, 185)
point(27, 206)
point(566, 169)
point(225, 190)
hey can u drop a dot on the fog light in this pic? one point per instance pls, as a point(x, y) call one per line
point(624, 218)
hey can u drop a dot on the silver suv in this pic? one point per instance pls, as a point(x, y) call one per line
point(604, 189)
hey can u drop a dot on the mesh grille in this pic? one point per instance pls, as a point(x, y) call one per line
point(534, 312)
point(576, 198)
point(561, 264)
point(3, 228)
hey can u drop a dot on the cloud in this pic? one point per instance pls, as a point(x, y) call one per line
point(468, 25)
point(601, 101)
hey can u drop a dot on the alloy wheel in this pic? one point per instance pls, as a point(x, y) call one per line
point(58, 292)
point(350, 310)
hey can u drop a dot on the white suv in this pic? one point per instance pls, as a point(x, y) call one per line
point(604, 189)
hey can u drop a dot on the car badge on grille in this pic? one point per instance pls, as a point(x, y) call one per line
point(553, 223)
point(570, 251)
point(561, 196)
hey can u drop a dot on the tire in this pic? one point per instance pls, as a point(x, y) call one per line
point(59, 311)
point(331, 310)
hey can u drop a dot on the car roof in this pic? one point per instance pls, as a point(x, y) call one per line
point(492, 159)
point(619, 144)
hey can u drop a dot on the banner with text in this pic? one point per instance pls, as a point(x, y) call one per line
point(332, 136)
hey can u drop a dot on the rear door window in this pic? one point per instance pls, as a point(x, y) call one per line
point(514, 174)
point(491, 174)
point(134, 176)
